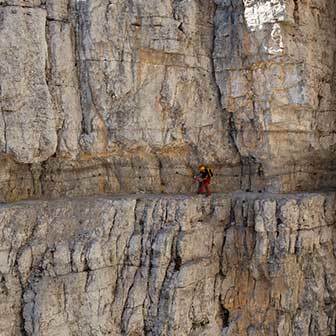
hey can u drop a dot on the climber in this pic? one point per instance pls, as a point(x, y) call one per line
point(203, 178)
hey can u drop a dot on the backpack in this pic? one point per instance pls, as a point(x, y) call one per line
point(209, 171)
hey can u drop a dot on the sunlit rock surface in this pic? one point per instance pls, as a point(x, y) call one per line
point(106, 106)
point(275, 67)
point(239, 264)
point(128, 96)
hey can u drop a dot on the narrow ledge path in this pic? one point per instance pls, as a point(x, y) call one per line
point(237, 195)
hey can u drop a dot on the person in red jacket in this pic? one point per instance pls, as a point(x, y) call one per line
point(203, 178)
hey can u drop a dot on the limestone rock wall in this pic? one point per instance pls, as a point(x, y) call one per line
point(239, 265)
point(278, 266)
point(130, 96)
point(275, 67)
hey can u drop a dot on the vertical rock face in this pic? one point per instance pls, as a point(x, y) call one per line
point(28, 120)
point(274, 63)
point(142, 69)
point(278, 267)
point(112, 267)
point(178, 265)
point(130, 91)
point(132, 95)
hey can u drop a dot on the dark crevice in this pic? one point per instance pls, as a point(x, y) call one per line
point(23, 289)
point(2, 19)
point(296, 12)
point(232, 214)
point(180, 28)
point(3, 287)
point(178, 264)
point(81, 31)
point(48, 56)
point(65, 21)
point(224, 314)
point(5, 132)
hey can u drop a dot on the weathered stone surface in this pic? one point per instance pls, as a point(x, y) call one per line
point(111, 266)
point(131, 96)
point(274, 65)
point(113, 96)
point(28, 131)
point(277, 282)
point(174, 265)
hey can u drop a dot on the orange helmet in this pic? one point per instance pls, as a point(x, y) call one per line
point(201, 167)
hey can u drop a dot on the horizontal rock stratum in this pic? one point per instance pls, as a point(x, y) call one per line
point(233, 264)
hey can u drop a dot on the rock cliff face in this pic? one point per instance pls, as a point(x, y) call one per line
point(118, 94)
point(176, 265)
point(275, 67)
point(129, 96)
